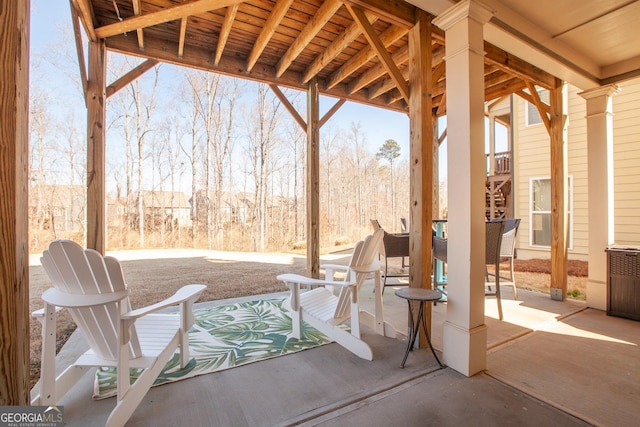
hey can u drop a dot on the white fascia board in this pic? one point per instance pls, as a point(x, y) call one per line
point(518, 36)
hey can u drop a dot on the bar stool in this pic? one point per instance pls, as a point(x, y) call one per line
point(422, 296)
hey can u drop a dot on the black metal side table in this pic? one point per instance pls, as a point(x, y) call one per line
point(422, 296)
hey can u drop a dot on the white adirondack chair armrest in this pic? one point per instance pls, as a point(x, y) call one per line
point(62, 299)
point(338, 267)
point(189, 293)
point(41, 313)
point(370, 268)
point(331, 269)
point(308, 281)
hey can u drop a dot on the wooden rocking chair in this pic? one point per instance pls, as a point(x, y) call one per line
point(325, 311)
point(93, 289)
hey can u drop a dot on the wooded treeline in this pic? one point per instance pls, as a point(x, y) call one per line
point(205, 161)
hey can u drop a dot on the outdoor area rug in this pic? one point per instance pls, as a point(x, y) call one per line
point(224, 337)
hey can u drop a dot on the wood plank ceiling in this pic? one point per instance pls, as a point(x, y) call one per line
point(289, 42)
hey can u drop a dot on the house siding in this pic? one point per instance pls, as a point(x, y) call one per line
point(531, 153)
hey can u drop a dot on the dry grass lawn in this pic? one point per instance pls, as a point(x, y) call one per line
point(156, 274)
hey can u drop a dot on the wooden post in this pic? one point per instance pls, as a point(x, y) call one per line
point(14, 250)
point(313, 180)
point(96, 147)
point(435, 213)
point(559, 194)
point(421, 152)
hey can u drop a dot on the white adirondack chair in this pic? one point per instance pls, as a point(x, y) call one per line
point(93, 289)
point(325, 311)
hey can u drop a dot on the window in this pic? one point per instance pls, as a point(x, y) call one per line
point(540, 212)
point(532, 115)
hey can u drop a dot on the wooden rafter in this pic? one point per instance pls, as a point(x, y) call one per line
point(510, 86)
point(85, 11)
point(130, 76)
point(399, 13)
point(331, 111)
point(399, 57)
point(442, 136)
point(338, 45)
point(388, 37)
point(438, 70)
point(183, 35)
point(292, 110)
point(269, 28)
point(139, 31)
point(517, 67)
point(79, 50)
point(387, 85)
point(315, 24)
point(199, 58)
point(229, 17)
point(179, 11)
point(441, 109)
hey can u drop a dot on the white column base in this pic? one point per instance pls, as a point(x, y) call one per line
point(465, 350)
point(597, 294)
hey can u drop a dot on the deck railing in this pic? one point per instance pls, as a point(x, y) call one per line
point(502, 163)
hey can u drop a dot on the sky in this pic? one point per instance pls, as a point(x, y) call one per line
point(378, 125)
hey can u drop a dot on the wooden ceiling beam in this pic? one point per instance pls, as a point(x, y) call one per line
point(229, 17)
point(343, 40)
point(388, 37)
point(270, 26)
point(438, 71)
point(130, 76)
point(331, 112)
point(315, 24)
point(139, 31)
point(544, 112)
point(399, 13)
point(285, 101)
point(506, 88)
point(440, 107)
point(75, 19)
point(183, 35)
point(381, 51)
point(84, 9)
point(386, 85)
point(166, 51)
point(516, 66)
point(399, 57)
point(179, 11)
point(496, 78)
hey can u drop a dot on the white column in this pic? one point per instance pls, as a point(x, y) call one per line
point(465, 334)
point(600, 175)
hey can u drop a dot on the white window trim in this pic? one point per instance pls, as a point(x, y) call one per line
point(571, 231)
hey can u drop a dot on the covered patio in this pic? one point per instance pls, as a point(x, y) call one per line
point(397, 55)
point(548, 363)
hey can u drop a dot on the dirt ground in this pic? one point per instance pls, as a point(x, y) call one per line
point(156, 274)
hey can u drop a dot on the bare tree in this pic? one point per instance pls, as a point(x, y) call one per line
point(262, 124)
point(330, 139)
point(390, 151)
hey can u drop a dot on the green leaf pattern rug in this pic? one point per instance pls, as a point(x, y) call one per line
point(226, 336)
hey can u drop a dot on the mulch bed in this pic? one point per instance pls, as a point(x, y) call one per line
point(574, 268)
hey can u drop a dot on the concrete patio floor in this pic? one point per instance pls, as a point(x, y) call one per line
point(328, 385)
